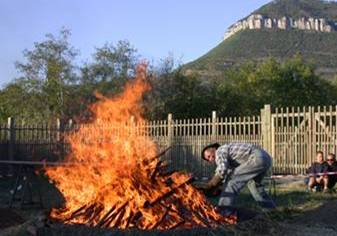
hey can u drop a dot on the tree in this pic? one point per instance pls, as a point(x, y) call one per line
point(16, 102)
point(289, 83)
point(113, 65)
point(173, 92)
point(45, 76)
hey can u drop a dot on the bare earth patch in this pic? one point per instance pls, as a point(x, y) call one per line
point(322, 216)
point(9, 218)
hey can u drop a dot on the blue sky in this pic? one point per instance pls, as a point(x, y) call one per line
point(185, 28)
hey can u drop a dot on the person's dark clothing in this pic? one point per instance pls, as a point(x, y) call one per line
point(332, 178)
point(318, 168)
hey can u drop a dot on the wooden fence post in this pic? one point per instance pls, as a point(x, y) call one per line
point(266, 128)
point(70, 124)
point(132, 119)
point(169, 130)
point(214, 128)
point(311, 135)
point(169, 141)
point(11, 137)
point(272, 138)
point(58, 129)
point(11, 143)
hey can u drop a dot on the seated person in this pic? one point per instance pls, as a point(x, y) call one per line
point(316, 173)
point(332, 167)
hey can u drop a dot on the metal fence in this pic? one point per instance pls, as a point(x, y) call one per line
point(291, 135)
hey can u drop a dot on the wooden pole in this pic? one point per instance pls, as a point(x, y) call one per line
point(214, 128)
point(170, 134)
point(266, 127)
point(11, 137)
point(11, 142)
point(58, 129)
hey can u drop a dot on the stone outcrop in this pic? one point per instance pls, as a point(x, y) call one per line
point(257, 21)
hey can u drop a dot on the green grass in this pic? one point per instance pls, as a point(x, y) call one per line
point(256, 45)
point(292, 201)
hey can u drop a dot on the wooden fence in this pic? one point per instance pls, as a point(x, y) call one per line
point(291, 135)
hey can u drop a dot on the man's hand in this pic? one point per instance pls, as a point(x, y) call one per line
point(213, 183)
point(200, 185)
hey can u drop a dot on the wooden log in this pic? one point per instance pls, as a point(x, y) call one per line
point(95, 215)
point(162, 218)
point(119, 218)
point(163, 167)
point(79, 212)
point(169, 193)
point(135, 218)
point(157, 156)
point(111, 217)
point(108, 222)
point(129, 219)
point(162, 153)
point(176, 225)
point(101, 222)
point(200, 218)
point(155, 171)
point(159, 169)
point(178, 214)
point(90, 210)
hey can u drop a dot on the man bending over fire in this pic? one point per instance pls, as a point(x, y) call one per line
point(238, 164)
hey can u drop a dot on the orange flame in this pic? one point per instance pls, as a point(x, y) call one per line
point(113, 181)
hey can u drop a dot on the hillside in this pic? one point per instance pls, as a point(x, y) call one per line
point(258, 42)
point(300, 8)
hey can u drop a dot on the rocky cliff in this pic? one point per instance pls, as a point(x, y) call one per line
point(258, 21)
point(279, 29)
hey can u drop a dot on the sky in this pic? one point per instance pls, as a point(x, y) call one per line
point(187, 29)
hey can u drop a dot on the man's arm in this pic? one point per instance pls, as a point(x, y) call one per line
point(213, 183)
point(221, 160)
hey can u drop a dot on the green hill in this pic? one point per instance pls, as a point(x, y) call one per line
point(300, 8)
point(315, 47)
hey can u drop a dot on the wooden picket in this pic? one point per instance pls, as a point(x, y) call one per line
point(292, 135)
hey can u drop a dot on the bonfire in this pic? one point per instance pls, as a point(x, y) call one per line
point(117, 178)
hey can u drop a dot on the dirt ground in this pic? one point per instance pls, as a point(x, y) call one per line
point(324, 215)
point(318, 221)
point(9, 218)
point(314, 214)
point(298, 213)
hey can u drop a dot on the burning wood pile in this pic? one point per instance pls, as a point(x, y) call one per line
point(119, 180)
